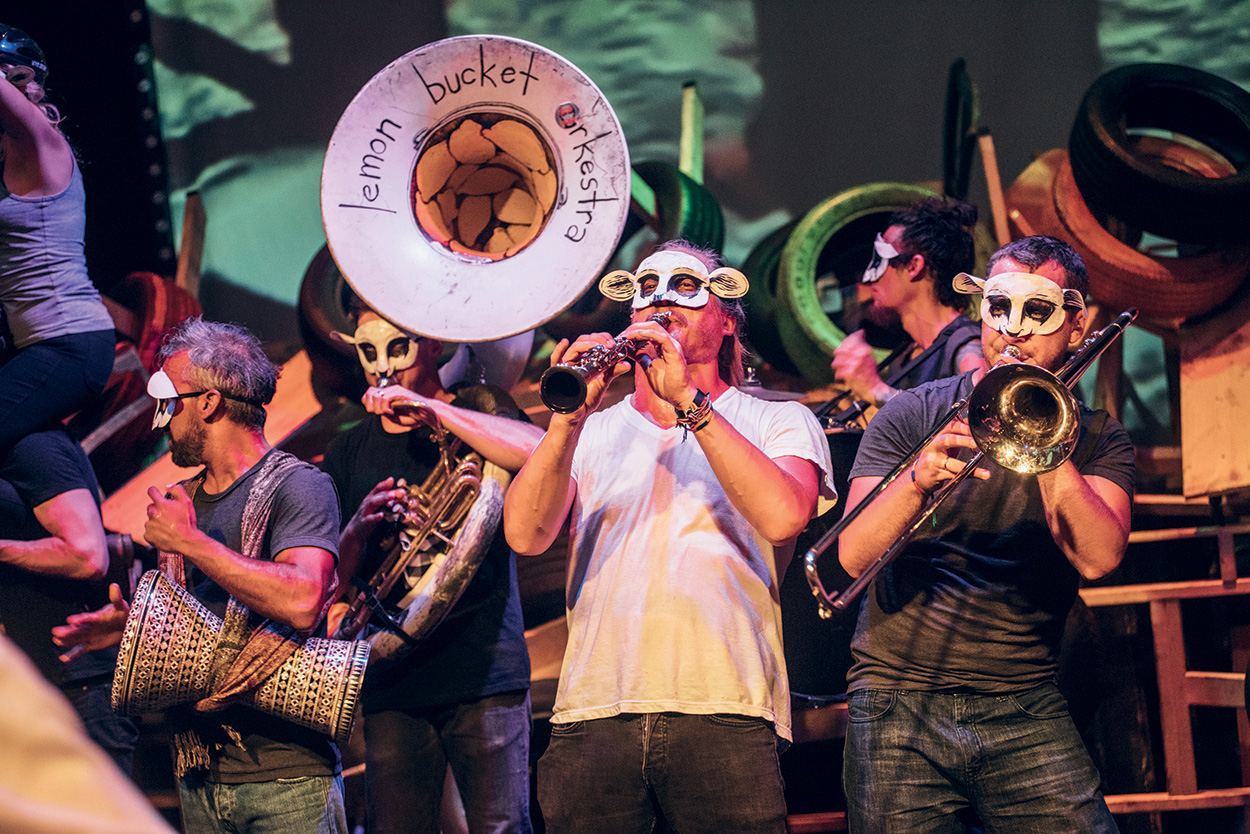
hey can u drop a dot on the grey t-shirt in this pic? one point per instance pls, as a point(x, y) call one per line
point(977, 601)
point(305, 514)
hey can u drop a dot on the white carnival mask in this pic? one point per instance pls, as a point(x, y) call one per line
point(1020, 304)
point(382, 347)
point(674, 277)
point(882, 253)
point(161, 388)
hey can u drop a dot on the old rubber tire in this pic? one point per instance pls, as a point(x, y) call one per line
point(1150, 195)
point(335, 368)
point(1045, 199)
point(836, 236)
point(761, 269)
point(958, 131)
point(687, 210)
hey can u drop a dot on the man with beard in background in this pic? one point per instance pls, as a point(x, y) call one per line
point(913, 263)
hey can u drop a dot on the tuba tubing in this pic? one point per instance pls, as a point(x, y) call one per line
point(1058, 385)
point(432, 513)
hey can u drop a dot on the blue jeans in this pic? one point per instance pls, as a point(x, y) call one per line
point(701, 773)
point(487, 744)
point(303, 805)
point(918, 761)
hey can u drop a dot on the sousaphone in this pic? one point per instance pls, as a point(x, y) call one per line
point(472, 190)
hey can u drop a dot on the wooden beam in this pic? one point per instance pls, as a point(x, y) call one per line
point(1137, 803)
point(1178, 736)
point(1133, 594)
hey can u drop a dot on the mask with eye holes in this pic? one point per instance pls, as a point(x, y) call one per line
point(673, 277)
point(1019, 304)
point(383, 348)
point(882, 253)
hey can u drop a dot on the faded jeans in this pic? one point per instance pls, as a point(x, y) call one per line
point(717, 774)
point(923, 761)
point(302, 805)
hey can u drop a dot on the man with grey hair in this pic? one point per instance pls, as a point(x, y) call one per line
point(237, 769)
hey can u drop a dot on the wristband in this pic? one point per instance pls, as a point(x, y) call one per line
point(697, 416)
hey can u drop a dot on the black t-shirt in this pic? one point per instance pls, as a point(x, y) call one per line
point(479, 649)
point(939, 360)
point(41, 466)
point(977, 601)
point(305, 514)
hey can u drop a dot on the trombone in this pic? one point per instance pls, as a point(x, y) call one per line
point(1024, 417)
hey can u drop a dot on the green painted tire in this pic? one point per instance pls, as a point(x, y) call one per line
point(836, 236)
point(761, 268)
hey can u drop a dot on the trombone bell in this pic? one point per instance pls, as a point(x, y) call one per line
point(1024, 418)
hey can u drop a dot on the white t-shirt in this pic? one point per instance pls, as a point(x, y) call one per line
point(673, 598)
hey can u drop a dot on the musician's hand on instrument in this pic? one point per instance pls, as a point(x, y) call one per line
point(373, 508)
point(171, 519)
point(940, 460)
point(855, 368)
point(566, 354)
point(93, 630)
point(380, 401)
point(667, 372)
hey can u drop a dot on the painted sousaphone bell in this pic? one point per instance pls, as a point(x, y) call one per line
point(473, 189)
point(172, 654)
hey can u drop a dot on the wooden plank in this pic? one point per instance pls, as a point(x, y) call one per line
point(994, 185)
point(1214, 376)
point(1240, 644)
point(816, 823)
point(1136, 803)
point(1177, 533)
point(1192, 589)
point(294, 403)
point(191, 247)
point(1216, 689)
point(1178, 738)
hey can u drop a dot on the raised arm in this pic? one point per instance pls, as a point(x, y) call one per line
point(540, 496)
point(505, 442)
point(291, 589)
point(38, 161)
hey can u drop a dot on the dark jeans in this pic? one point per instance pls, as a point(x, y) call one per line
point(301, 805)
point(50, 380)
point(486, 742)
point(717, 774)
point(918, 761)
point(114, 733)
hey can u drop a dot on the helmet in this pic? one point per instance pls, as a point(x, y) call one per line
point(17, 48)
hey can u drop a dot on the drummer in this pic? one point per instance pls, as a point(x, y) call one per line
point(909, 277)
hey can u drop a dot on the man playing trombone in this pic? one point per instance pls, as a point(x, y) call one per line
point(684, 503)
point(954, 712)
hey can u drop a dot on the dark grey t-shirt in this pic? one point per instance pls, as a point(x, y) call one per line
point(977, 601)
point(305, 514)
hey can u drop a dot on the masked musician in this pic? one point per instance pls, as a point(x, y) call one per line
point(909, 278)
point(53, 561)
point(684, 501)
point(460, 697)
point(255, 535)
point(953, 703)
point(59, 327)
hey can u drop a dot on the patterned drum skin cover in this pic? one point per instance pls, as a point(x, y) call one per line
point(169, 655)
